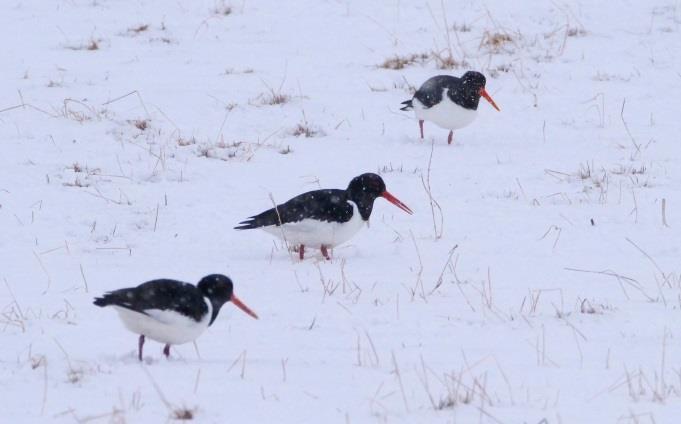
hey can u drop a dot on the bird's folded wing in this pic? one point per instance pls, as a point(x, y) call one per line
point(322, 205)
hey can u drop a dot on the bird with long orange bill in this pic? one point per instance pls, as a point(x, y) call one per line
point(323, 219)
point(171, 311)
point(449, 102)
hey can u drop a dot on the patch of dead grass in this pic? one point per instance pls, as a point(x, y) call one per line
point(183, 413)
point(306, 130)
point(139, 28)
point(443, 60)
point(273, 98)
point(90, 45)
point(400, 62)
point(140, 124)
point(496, 42)
point(222, 9)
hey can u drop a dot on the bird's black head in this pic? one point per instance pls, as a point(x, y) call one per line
point(365, 188)
point(219, 289)
point(473, 86)
point(474, 80)
point(368, 184)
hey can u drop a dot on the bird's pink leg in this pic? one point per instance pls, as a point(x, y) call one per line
point(139, 346)
point(421, 127)
point(166, 350)
point(450, 138)
point(325, 253)
point(301, 252)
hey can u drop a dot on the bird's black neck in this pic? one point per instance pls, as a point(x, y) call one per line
point(215, 310)
point(365, 204)
point(466, 97)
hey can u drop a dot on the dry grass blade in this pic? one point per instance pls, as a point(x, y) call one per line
point(396, 371)
point(281, 227)
point(664, 212)
point(433, 203)
point(442, 273)
point(626, 127)
point(620, 278)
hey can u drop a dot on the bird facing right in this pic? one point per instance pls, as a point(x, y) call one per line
point(171, 311)
point(324, 219)
point(449, 102)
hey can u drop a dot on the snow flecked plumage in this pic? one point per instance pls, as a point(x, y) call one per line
point(448, 101)
point(323, 218)
point(170, 311)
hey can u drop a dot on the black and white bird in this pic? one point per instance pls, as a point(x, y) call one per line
point(324, 219)
point(449, 102)
point(170, 311)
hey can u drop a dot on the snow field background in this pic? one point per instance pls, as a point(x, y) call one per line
point(537, 281)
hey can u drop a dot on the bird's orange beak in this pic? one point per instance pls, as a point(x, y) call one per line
point(395, 201)
point(239, 304)
point(487, 97)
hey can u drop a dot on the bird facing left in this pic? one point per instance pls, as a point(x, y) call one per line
point(170, 311)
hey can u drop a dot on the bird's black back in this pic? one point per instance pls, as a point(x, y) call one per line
point(430, 93)
point(329, 205)
point(162, 294)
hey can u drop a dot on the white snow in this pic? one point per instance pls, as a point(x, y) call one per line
point(135, 135)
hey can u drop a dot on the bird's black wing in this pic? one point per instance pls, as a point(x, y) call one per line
point(430, 93)
point(161, 294)
point(323, 205)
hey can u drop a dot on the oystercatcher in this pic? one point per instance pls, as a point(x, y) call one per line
point(170, 311)
point(449, 102)
point(324, 218)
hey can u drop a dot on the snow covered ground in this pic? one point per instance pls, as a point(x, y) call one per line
point(537, 282)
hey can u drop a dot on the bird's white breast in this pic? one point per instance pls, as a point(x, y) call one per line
point(315, 233)
point(165, 325)
point(445, 114)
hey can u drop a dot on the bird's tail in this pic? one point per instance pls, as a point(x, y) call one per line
point(265, 219)
point(248, 224)
point(407, 105)
point(103, 301)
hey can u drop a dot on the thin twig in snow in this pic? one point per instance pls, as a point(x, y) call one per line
point(419, 279)
point(449, 259)
point(49, 279)
point(431, 199)
point(626, 127)
point(396, 370)
point(620, 278)
point(82, 273)
point(664, 212)
point(139, 97)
